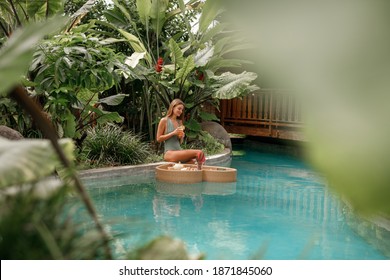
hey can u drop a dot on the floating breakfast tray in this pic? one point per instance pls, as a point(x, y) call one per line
point(189, 174)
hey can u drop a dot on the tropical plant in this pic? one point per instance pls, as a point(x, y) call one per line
point(96, 10)
point(33, 206)
point(110, 146)
point(25, 165)
point(15, 57)
point(48, 230)
point(187, 65)
point(207, 143)
point(18, 13)
point(70, 71)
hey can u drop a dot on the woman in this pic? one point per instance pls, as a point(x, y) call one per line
point(171, 131)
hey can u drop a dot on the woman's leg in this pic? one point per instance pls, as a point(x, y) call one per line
point(183, 155)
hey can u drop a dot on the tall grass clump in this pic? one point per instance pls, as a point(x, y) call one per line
point(110, 146)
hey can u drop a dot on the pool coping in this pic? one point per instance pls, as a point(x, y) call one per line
point(222, 159)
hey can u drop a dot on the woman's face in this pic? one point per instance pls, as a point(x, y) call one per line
point(178, 110)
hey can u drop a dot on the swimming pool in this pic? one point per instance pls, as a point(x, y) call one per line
point(278, 209)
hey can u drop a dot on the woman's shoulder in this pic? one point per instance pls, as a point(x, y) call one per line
point(164, 120)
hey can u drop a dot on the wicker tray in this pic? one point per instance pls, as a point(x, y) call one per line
point(189, 174)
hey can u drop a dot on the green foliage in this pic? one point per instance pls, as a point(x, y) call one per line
point(29, 160)
point(19, 13)
point(12, 116)
point(70, 62)
point(207, 143)
point(16, 54)
point(229, 85)
point(36, 227)
point(110, 146)
point(192, 60)
point(35, 221)
point(210, 13)
point(71, 70)
point(94, 10)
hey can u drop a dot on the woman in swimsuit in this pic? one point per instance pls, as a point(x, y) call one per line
point(171, 131)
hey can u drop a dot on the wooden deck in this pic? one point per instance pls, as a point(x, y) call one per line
point(266, 113)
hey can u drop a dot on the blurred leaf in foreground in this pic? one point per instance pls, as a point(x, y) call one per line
point(337, 55)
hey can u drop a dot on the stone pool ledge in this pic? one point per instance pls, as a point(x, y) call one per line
point(147, 170)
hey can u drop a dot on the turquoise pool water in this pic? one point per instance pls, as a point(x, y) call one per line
point(278, 209)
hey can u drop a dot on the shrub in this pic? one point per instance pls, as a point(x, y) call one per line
point(110, 146)
point(207, 143)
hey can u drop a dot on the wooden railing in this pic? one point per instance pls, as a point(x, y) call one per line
point(268, 112)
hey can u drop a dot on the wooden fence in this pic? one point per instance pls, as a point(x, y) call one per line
point(268, 112)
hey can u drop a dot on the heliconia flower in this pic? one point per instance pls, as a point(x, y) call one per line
point(159, 64)
point(199, 75)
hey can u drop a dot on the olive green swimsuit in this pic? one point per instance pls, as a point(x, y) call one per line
point(173, 143)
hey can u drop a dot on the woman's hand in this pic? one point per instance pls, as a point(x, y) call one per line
point(179, 132)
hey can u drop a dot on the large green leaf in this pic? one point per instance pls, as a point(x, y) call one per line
point(144, 8)
point(211, 32)
point(69, 124)
point(217, 63)
point(176, 54)
point(109, 117)
point(208, 116)
point(203, 56)
point(229, 85)
point(193, 125)
point(136, 44)
point(188, 66)
point(16, 54)
point(113, 100)
point(29, 160)
point(211, 9)
point(42, 9)
point(80, 13)
point(123, 9)
point(158, 14)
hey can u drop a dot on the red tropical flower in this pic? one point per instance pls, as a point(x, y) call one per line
point(199, 75)
point(159, 64)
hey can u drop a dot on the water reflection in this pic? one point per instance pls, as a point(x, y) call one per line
point(168, 196)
